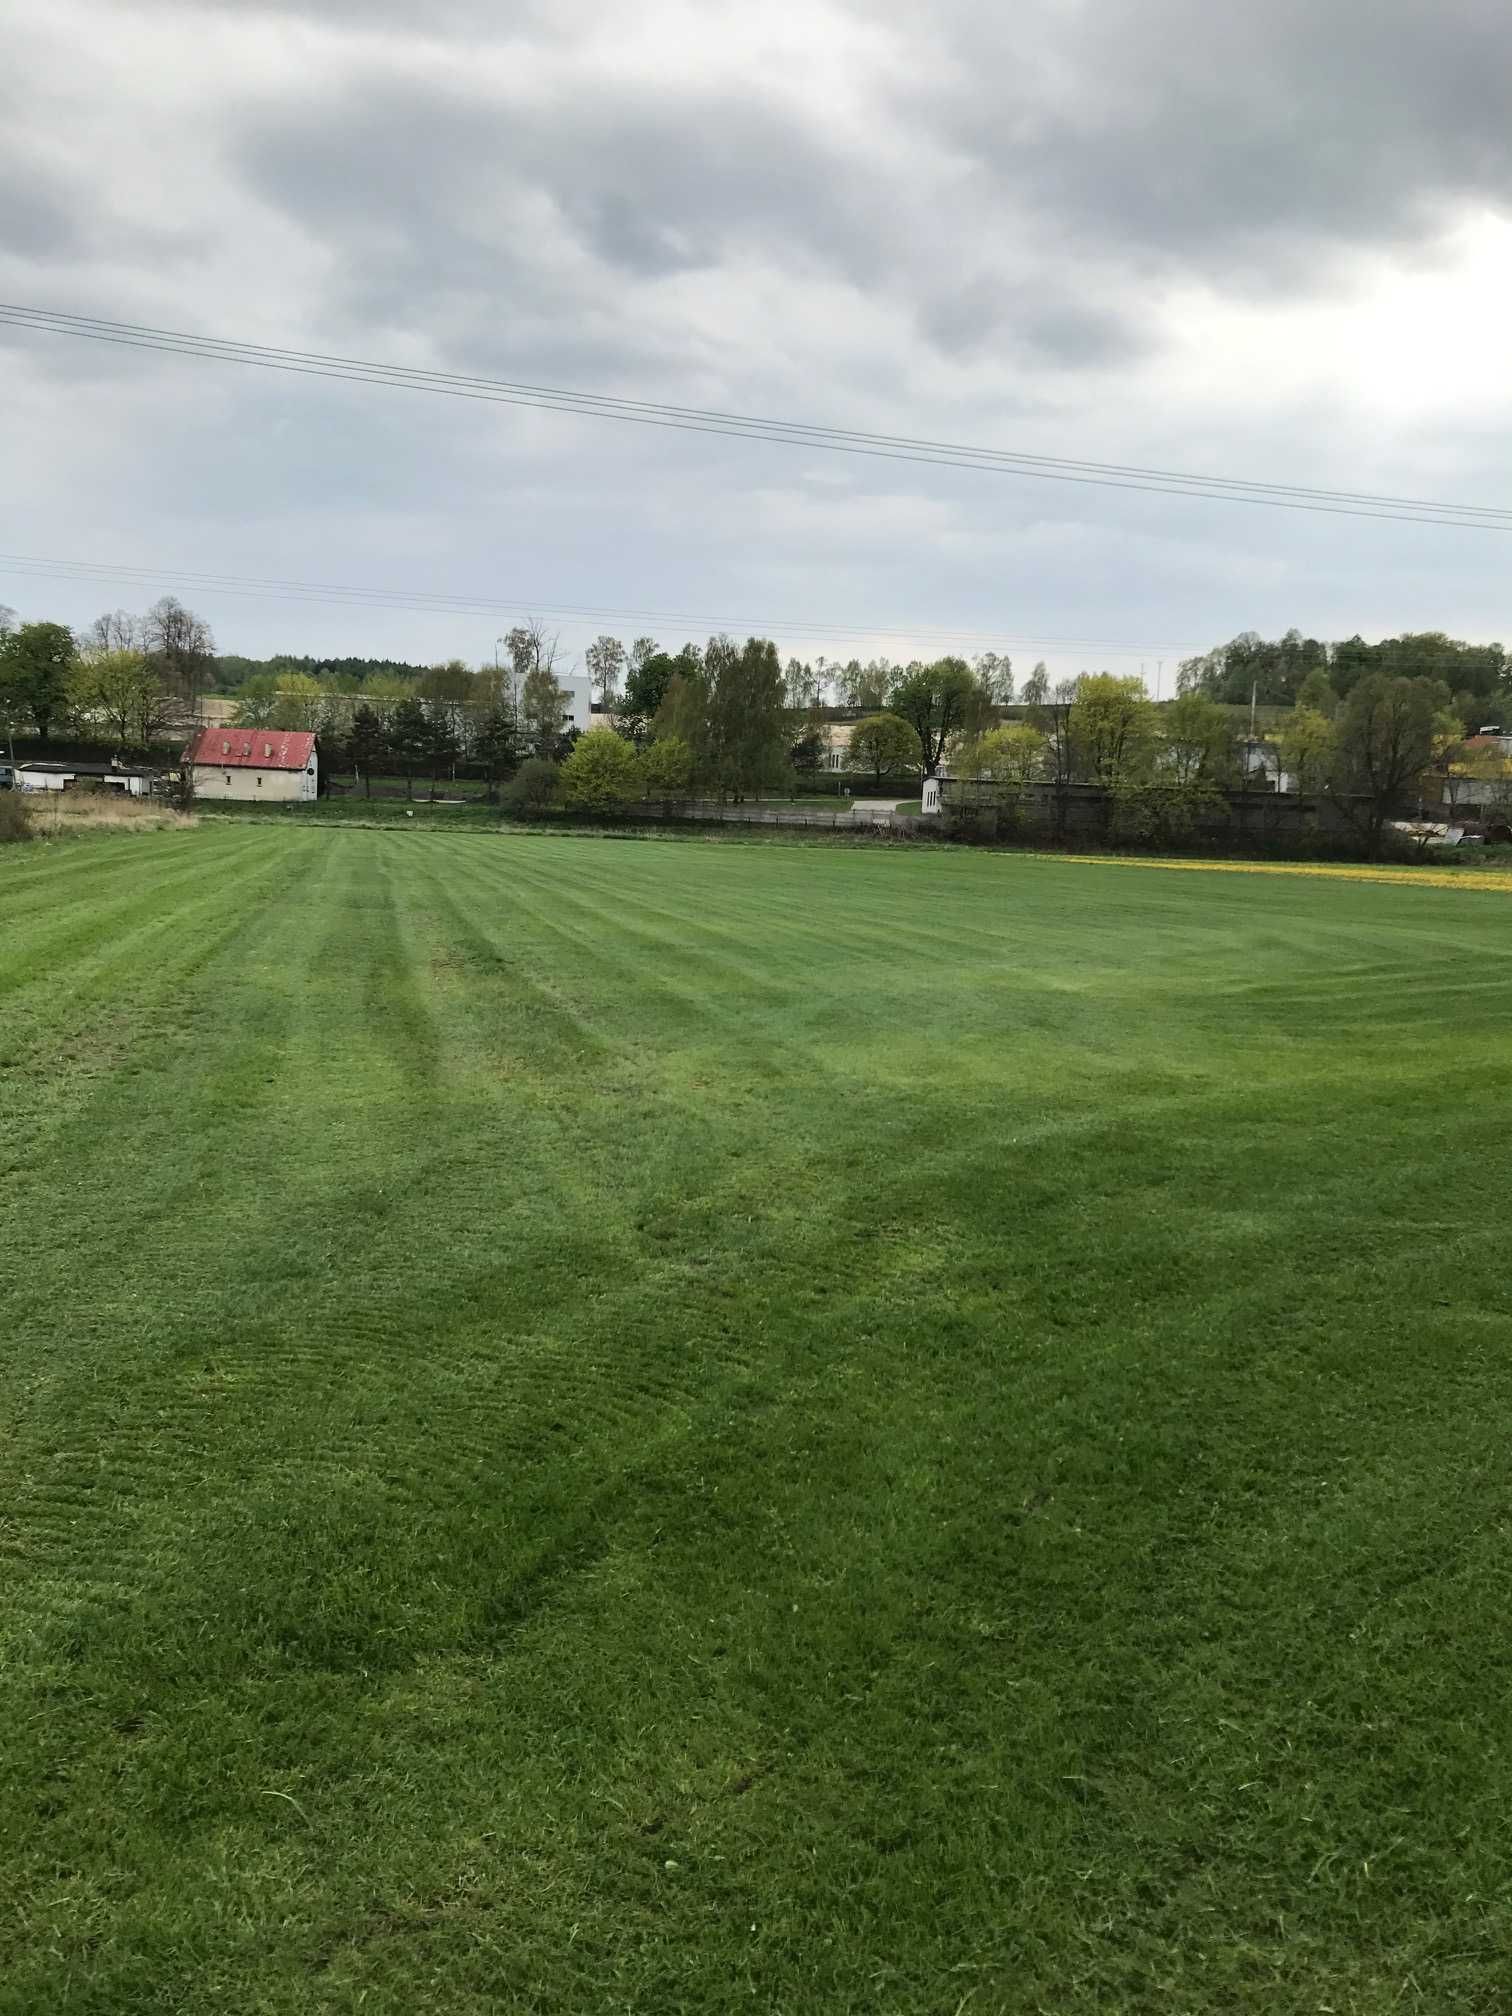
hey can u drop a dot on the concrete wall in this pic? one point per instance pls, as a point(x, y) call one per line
point(1086, 812)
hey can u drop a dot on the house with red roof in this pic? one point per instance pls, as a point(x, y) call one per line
point(261, 765)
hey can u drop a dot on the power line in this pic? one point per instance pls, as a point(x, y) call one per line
point(424, 602)
point(792, 433)
point(58, 322)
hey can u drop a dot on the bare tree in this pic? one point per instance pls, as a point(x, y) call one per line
point(182, 644)
point(800, 686)
point(1053, 718)
point(116, 630)
point(9, 620)
point(864, 685)
point(642, 651)
point(994, 672)
point(1036, 688)
point(530, 649)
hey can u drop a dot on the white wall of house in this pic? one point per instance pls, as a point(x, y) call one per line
point(579, 692)
point(216, 780)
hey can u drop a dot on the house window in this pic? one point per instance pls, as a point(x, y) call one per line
point(259, 783)
point(228, 776)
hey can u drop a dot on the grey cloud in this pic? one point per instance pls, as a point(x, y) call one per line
point(36, 219)
point(1231, 137)
point(53, 214)
point(1030, 317)
point(983, 196)
point(481, 17)
point(649, 184)
point(1074, 333)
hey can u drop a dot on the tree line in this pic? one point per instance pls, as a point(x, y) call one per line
point(1390, 742)
point(731, 720)
point(1293, 669)
point(137, 678)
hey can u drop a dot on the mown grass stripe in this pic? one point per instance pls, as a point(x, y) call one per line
point(955, 1404)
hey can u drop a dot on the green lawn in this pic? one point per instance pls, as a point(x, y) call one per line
point(595, 1427)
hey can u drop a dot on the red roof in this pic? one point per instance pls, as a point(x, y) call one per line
point(253, 749)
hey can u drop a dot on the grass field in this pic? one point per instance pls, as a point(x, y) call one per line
point(606, 1427)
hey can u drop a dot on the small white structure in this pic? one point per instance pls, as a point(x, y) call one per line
point(268, 765)
point(129, 779)
point(930, 802)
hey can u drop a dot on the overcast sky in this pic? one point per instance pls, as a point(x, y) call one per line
point(1267, 240)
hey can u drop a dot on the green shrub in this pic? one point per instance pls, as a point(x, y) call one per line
point(603, 773)
point(535, 787)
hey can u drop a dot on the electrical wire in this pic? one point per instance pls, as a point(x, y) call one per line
point(687, 419)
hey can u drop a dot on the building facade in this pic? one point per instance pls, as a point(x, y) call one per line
point(130, 779)
point(575, 690)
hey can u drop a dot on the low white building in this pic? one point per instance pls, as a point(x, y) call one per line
point(131, 780)
point(260, 765)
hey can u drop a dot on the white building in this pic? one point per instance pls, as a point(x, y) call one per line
point(576, 689)
point(267, 765)
point(131, 780)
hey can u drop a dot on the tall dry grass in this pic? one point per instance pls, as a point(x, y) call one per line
point(57, 813)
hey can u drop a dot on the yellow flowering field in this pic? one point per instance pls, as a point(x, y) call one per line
point(1437, 878)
